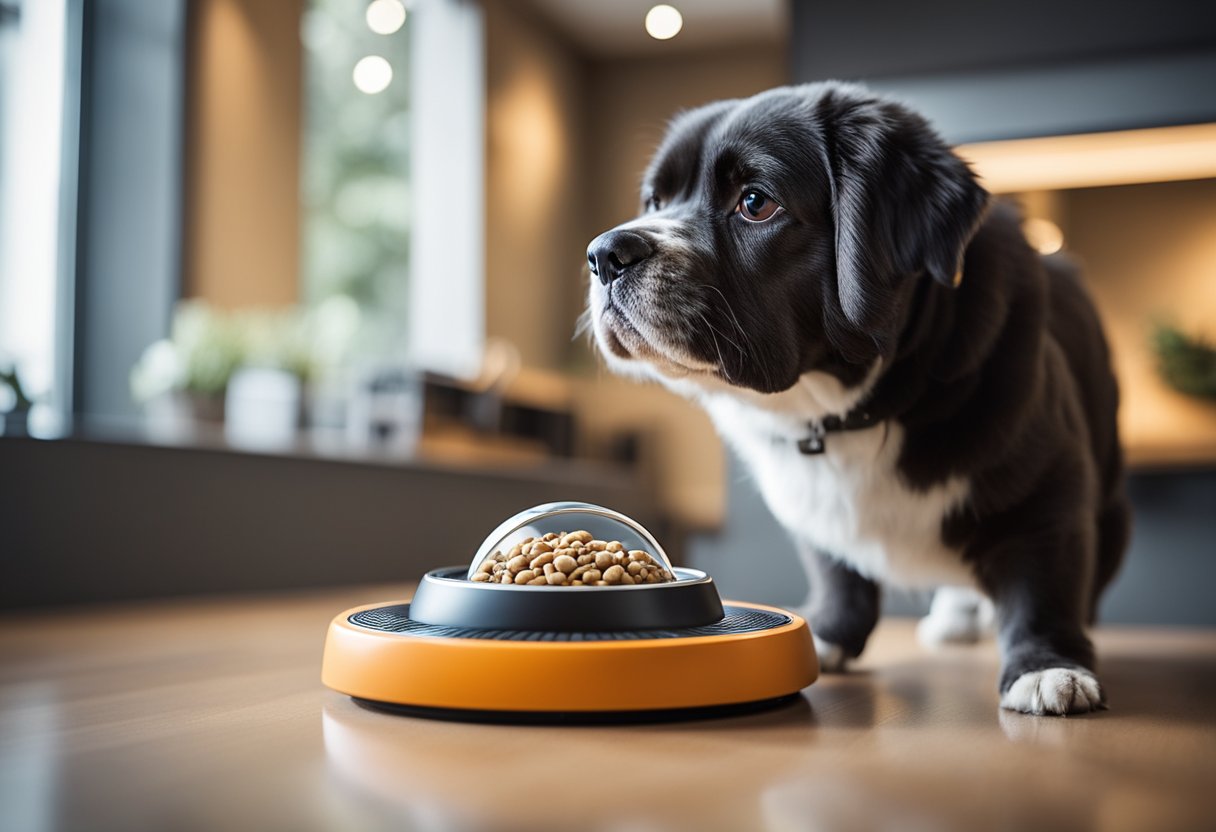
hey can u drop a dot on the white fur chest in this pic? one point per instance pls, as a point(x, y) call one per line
point(850, 501)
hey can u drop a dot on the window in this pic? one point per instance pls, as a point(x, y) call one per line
point(33, 38)
point(392, 180)
point(355, 162)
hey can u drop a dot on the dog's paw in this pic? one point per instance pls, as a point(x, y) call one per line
point(1054, 691)
point(957, 616)
point(832, 658)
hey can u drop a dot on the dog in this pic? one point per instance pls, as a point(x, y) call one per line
point(921, 398)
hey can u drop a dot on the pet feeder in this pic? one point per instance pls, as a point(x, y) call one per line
point(504, 652)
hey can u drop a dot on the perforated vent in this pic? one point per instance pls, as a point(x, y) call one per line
point(396, 619)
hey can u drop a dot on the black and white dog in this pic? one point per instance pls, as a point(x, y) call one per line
point(921, 397)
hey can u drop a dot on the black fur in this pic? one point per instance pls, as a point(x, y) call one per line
point(1005, 379)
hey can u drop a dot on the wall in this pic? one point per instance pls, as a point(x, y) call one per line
point(243, 152)
point(535, 189)
point(1148, 253)
point(984, 71)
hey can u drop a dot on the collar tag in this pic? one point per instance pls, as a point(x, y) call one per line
point(813, 444)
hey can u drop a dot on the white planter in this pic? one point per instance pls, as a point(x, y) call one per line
point(262, 409)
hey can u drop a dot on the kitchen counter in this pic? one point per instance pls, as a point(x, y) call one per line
point(209, 714)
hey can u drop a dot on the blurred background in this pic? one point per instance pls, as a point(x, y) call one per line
point(288, 288)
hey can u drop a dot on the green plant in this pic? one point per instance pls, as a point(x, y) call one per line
point(1187, 363)
point(10, 378)
point(206, 346)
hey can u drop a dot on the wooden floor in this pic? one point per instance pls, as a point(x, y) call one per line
point(210, 715)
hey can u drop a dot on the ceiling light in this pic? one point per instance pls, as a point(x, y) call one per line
point(373, 74)
point(664, 22)
point(385, 16)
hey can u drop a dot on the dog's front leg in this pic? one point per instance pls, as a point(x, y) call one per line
point(1039, 584)
point(842, 608)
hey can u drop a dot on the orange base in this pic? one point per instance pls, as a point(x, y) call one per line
point(557, 676)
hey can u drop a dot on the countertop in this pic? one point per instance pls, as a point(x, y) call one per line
point(209, 714)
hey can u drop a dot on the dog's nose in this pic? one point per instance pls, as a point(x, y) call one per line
point(611, 253)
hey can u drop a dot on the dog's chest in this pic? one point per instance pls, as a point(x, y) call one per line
point(850, 501)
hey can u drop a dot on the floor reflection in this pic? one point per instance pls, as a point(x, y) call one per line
point(638, 777)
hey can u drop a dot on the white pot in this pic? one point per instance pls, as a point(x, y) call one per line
point(262, 409)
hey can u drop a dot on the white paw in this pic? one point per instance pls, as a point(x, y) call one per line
point(957, 616)
point(832, 658)
point(1056, 690)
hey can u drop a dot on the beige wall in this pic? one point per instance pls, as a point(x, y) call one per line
point(1149, 252)
point(534, 184)
point(243, 152)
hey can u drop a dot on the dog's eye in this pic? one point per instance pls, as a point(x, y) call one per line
point(755, 206)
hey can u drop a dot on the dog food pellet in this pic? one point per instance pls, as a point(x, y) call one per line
point(571, 559)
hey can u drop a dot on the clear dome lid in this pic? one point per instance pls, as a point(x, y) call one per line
point(602, 524)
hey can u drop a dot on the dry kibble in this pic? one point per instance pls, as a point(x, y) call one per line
point(540, 560)
point(570, 559)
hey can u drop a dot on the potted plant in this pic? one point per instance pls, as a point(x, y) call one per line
point(16, 418)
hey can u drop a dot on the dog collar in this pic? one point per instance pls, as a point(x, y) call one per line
point(816, 442)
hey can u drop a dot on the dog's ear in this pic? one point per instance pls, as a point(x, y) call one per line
point(903, 202)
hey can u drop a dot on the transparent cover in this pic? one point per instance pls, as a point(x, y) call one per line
point(602, 524)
